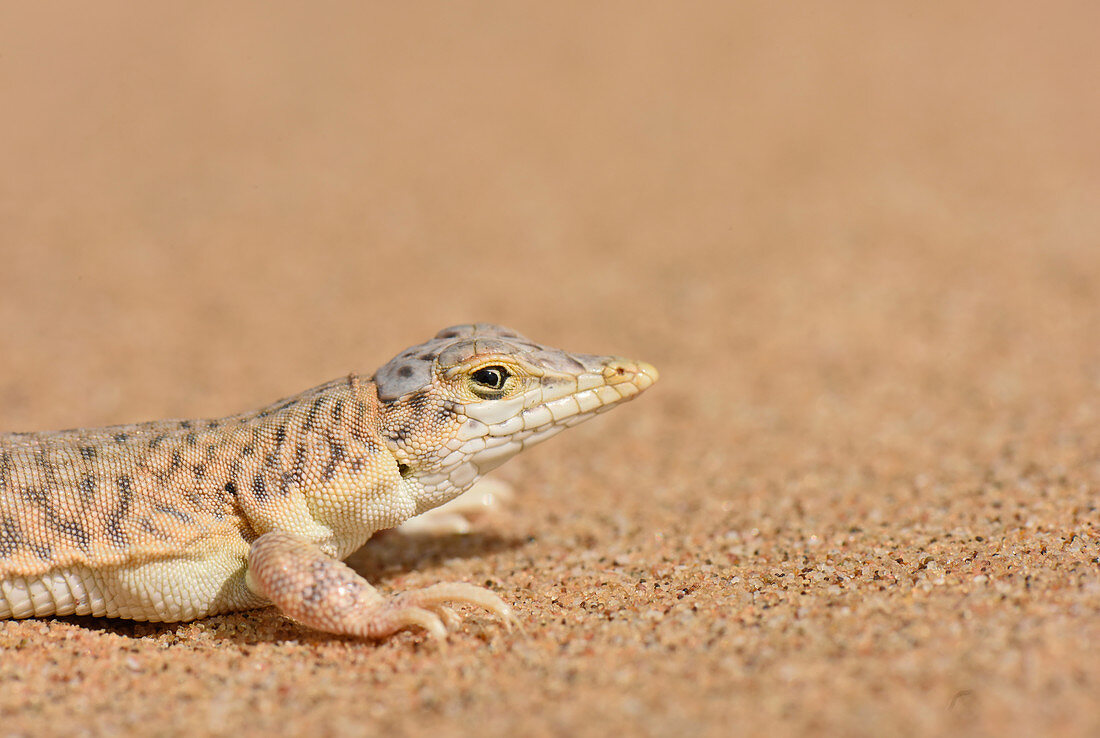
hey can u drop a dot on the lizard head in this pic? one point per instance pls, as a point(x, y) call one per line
point(461, 404)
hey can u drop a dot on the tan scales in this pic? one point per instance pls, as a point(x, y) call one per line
point(180, 519)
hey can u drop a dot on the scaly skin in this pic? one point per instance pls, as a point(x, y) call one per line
point(176, 520)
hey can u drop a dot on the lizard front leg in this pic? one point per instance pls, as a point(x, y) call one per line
point(457, 516)
point(323, 592)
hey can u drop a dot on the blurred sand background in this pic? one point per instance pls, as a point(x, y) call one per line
point(860, 240)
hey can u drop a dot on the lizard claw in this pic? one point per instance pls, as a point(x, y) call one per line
point(450, 618)
point(389, 619)
point(434, 597)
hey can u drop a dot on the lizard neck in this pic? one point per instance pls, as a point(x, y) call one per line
point(327, 475)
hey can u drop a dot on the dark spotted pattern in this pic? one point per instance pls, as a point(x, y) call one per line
point(100, 496)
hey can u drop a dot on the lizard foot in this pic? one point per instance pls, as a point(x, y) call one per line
point(458, 515)
point(324, 593)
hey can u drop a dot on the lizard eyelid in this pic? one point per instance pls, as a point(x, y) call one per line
point(492, 377)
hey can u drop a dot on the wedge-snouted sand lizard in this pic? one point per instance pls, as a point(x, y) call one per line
point(179, 519)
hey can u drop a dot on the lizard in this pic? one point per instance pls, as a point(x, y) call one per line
point(177, 520)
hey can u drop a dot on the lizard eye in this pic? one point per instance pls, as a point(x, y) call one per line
point(491, 377)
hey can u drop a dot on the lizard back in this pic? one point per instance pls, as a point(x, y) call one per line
point(107, 496)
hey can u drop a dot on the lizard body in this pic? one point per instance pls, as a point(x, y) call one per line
point(177, 520)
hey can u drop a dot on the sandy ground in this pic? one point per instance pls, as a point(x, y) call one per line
point(861, 241)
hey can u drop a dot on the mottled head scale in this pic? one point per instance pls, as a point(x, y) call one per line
point(412, 369)
point(475, 395)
